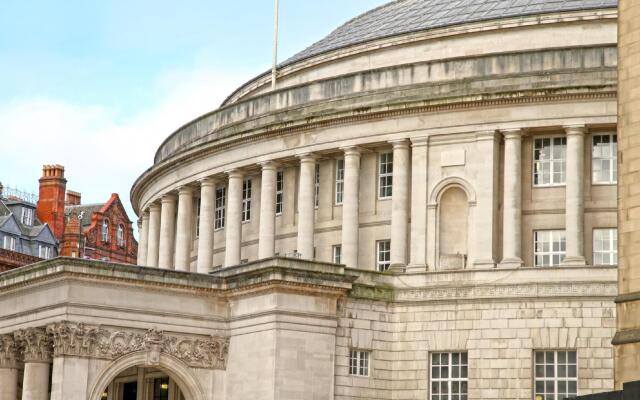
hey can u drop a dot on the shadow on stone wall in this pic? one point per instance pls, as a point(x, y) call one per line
point(630, 391)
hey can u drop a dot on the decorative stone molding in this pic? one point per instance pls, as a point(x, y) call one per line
point(34, 343)
point(80, 340)
point(8, 352)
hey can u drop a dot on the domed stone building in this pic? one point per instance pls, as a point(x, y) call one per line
point(424, 206)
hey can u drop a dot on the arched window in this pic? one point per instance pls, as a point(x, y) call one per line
point(105, 230)
point(120, 235)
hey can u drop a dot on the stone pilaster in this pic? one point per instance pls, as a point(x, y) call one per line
point(153, 241)
point(144, 239)
point(483, 255)
point(207, 219)
point(233, 228)
point(167, 231)
point(8, 368)
point(267, 233)
point(350, 207)
point(400, 204)
point(575, 196)
point(306, 206)
point(184, 227)
point(512, 206)
point(419, 185)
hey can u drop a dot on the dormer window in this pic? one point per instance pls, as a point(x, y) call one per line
point(105, 230)
point(27, 216)
point(120, 236)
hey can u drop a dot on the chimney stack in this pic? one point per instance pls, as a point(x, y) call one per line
point(73, 198)
point(50, 208)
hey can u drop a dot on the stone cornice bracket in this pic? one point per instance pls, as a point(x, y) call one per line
point(80, 340)
point(35, 344)
point(8, 352)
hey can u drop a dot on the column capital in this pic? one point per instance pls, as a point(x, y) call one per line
point(208, 181)
point(154, 207)
point(168, 198)
point(575, 129)
point(307, 157)
point(489, 134)
point(268, 165)
point(351, 150)
point(145, 215)
point(236, 173)
point(186, 189)
point(8, 352)
point(399, 143)
point(514, 133)
point(420, 141)
point(35, 344)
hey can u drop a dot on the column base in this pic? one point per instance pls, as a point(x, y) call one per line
point(483, 264)
point(397, 268)
point(514, 262)
point(416, 268)
point(573, 261)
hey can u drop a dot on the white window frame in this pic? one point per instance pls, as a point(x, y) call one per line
point(556, 367)
point(120, 235)
point(611, 159)
point(105, 230)
point(383, 255)
point(44, 252)
point(27, 216)
point(445, 384)
point(385, 175)
point(279, 192)
point(339, 186)
point(316, 197)
point(336, 253)
point(605, 247)
point(246, 200)
point(9, 243)
point(359, 362)
point(556, 165)
point(556, 248)
point(220, 208)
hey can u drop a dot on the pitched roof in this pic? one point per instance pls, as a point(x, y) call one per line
point(88, 210)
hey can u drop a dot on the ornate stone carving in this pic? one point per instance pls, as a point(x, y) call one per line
point(8, 352)
point(80, 340)
point(34, 343)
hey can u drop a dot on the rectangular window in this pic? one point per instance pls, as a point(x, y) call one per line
point(359, 363)
point(449, 376)
point(549, 248)
point(44, 251)
point(605, 246)
point(317, 186)
point(221, 194)
point(198, 218)
point(9, 243)
point(549, 155)
point(337, 254)
point(246, 200)
point(383, 259)
point(279, 191)
point(385, 176)
point(27, 216)
point(604, 159)
point(339, 181)
point(556, 375)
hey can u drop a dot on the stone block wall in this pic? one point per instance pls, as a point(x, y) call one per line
point(499, 336)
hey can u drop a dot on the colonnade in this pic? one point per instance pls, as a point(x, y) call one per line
point(412, 215)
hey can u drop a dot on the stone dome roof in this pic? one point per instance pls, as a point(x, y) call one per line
point(405, 16)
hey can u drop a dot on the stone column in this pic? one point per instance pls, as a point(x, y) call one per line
point(484, 231)
point(167, 231)
point(233, 228)
point(306, 205)
point(512, 207)
point(37, 358)
point(574, 225)
point(350, 207)
point(419, 184)
point(207, 218)
point(184, 226)
point(153, 241)
point(8, 368)
point(144, 236)
point(267, 233)
point(400, 204)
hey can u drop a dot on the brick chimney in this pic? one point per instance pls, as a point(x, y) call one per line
point(50, 208)
point(73, 198)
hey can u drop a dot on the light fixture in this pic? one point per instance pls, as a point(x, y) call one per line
point(105, 394)
point(164, 386)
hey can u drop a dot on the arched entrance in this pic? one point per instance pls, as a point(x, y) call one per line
point(130, 377)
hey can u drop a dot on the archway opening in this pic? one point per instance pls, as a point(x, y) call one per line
point(454, 228)
point(144, 383)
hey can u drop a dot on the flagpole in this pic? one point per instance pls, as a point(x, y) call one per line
point(275, 46)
